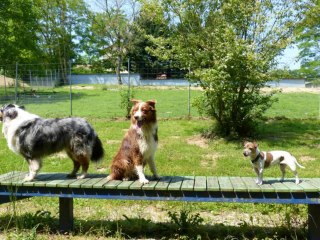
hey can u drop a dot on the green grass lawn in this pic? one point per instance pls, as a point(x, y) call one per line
point(291, 125)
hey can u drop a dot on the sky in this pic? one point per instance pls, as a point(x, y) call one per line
point(289, 59)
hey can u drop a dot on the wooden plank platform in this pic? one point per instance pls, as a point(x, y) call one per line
point(174, 188)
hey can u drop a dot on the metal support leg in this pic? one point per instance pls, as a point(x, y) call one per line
point(66, 214)
point(314, 221)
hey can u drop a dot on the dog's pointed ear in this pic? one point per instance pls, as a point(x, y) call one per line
point(244, 142)
point(255, 144)
point(135, 101)
point(152, 103)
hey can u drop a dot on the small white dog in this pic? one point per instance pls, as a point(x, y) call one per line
point(261, 160)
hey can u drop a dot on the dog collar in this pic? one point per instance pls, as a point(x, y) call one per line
point(257, 158)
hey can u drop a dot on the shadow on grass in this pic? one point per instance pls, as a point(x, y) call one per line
point(290, 132)
point(133, 228)
point(43, 97)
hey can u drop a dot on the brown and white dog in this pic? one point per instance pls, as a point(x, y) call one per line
point(261, 160)
point(139, 144)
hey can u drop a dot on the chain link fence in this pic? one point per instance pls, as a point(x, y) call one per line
point(40, 84)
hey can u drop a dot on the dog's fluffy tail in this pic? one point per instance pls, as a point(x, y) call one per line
point(97, 150)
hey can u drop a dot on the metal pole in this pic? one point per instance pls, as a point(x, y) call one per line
point(5, 82)
point(129, 82)
point(30, 78)
point(70, 87)
point(16, 85)
point(189, 96)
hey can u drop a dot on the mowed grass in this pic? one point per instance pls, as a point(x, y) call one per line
point(181, 151)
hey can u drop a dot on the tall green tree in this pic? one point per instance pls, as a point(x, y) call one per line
point(309, 41)
point(150, 21)
point(62, 27)
point(230, 46)
point(112, 32)
point(18, 38)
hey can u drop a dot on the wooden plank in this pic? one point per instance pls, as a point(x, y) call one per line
point(124, 185)
point(91, 182)
point(151, 185)
point(66, 183)
point(7, 175)
point(307, 186)
point(315, 182)
point(57, 180)
point(112, 184)
point(267, 187)
point(163, 183)
point(277, 185)
point(188, 183)
point(225, 184)
point(16, 178)
point(40, 180)
point(293, 187)
point(137, 185)
point(78, 183)
point(101, 183)
point(213, 184)
point(238, 184)
point(250, 182)
point(200, 183)
point(175, 184)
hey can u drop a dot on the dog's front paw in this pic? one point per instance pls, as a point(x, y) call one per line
point(144, 181)
point(82, 176)
point(259, 182)
point(28, 178)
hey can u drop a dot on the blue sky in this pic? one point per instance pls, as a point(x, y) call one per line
point(289, 58)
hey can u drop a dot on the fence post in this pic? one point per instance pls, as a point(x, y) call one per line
point(189, 96)
point(5, 82)
point(16, 85)
point(70, 87)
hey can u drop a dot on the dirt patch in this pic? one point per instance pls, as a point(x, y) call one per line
point(209, 160)
point(113, 142)
point(198, 141)
point(83, 87)
point(175, 137)
point(306, 159)
point(6, 81)
point(293, 90)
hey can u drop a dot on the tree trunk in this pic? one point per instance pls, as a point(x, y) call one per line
point(118, 68)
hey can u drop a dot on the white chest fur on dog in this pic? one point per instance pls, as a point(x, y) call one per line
point(9, 128)
point(146, 142)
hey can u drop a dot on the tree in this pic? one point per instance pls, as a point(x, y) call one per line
point(18, 39)
point(112, 32)
point(62, 27)
point(308, 38)
point(150, 21)
point(230, 46)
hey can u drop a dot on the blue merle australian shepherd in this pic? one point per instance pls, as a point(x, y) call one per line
point(34, 138)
